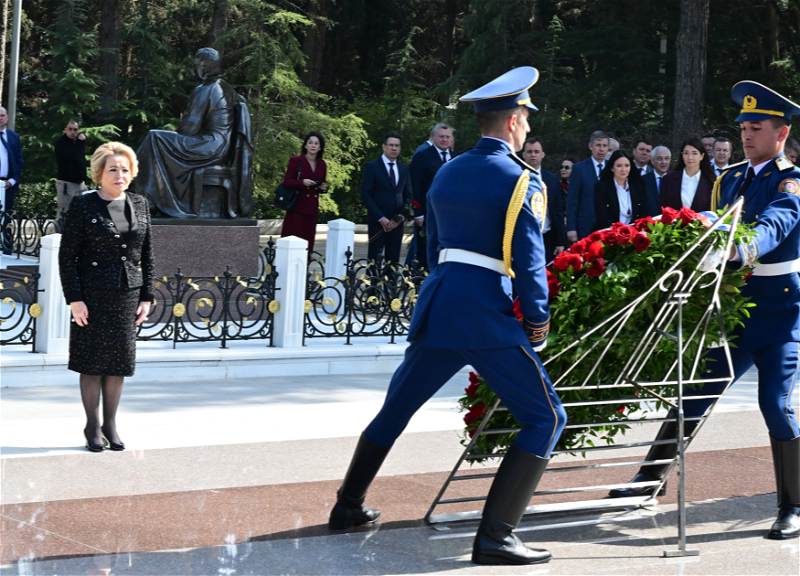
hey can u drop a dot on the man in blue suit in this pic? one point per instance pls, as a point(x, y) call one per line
point(580, 195)
point(661, 158)
point(424, 167)
point(386, 192)
point(770, 338)
point(555, 237)
point(10, 169)
point(485, 214)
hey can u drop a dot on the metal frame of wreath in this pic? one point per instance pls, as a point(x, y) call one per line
point(680, 287)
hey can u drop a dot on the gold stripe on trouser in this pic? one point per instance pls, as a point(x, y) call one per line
point(547, 395)
point(791, 388)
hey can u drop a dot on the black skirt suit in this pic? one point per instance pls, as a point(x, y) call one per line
point(606, 202)
point(111, 271)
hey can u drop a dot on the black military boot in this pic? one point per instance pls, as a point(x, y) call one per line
point(668, 431)
point(786, 459)
point(511, 491)
point(349, 510)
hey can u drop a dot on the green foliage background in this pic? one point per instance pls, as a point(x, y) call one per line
point(391, 65)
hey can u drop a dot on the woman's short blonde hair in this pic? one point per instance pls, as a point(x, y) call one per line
point(112, 149)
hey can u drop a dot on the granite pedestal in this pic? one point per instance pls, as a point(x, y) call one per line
point(205, 246)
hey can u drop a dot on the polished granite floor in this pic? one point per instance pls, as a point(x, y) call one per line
point(238, 478)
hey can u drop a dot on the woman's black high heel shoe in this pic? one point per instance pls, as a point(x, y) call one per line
point(115, 446)
point(90, 445)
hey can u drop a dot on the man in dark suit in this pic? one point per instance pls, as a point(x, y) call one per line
point(10, 169)
point(661, 158)
point(641, 156)
point(580, 196)
point(555, 237)
point(424, 167)
point(386, 191)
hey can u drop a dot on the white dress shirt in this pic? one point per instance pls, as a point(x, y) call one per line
point(4, 165)
point(689, 186)
point(625, 204)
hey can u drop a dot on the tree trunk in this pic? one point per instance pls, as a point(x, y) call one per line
point(450, 8)
point(219, 22)
point(108, 61)
point(690, 77)
point(314, 44)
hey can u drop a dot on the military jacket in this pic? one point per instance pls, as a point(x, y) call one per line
point(466, 306)
point(772, 203)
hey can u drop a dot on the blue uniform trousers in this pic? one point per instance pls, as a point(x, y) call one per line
point(777, 376)
point(515, 373)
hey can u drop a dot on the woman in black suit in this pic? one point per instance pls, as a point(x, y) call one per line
point(106, 262)
point(619, 195)
point(692, 181)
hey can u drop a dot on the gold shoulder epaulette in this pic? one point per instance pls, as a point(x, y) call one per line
point(514, 207)
point(717, 190)
point(783, 163)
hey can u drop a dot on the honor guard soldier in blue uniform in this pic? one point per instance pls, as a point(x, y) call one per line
point(485, 213)
point(770, 339)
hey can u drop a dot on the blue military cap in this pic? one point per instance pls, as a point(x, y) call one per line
point(759, 102)
point(507, 91)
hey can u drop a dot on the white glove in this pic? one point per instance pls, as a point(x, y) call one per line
point(713, 260)
point(540, 347)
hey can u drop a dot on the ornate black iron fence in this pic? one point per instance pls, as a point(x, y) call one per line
point(19, 309)
point(215, 309)
point(371, 299)
point(22, 233)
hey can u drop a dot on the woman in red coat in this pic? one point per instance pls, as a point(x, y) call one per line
point(306, 174)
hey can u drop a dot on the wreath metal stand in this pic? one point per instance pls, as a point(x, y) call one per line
point(680, 287)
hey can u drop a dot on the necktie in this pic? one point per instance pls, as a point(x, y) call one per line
point(658, 182)
point(599, 169)
point(392, 177)
point(5, 145)
point(444, 156)
point(743, 188)
point(719, 171)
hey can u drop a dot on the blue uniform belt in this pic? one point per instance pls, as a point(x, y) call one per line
point(777, 269)
point(467, 257)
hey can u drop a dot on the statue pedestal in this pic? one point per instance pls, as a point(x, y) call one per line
point(205, 246)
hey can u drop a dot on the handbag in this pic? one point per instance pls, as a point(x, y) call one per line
point(285, 198)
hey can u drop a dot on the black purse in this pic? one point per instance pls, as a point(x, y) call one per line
point(285, 198)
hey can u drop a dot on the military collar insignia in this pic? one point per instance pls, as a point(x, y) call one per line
point(783, 163)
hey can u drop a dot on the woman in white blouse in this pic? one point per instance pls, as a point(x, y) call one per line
point(692, 181)
point(619, 194)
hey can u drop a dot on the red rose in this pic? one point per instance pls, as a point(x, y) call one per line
point(517, 309)
point(563, 261)
point(617, 225)
point(474, 413)
point(472, 389)
point(703, 219)
point(625, 234)
point(747, 276)
point(686, 215)
point(641, 242)
point(609, 237)
point(594, 250)
point(621, 409)
point(595, 236)
point(643, 224)
point(415, 204)
point(579, 247)
point(575, 261)
point(668, 215)
point(474, 378)
point(596, 268)
point(553, 287)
